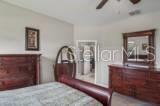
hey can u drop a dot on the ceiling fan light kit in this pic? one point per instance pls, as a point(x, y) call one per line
point(103, 2)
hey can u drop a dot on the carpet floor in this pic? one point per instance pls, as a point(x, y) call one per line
point(121, 100)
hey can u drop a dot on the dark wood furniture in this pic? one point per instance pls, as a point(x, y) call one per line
point(141, 83)
point(65, 66)
point(101, 94)
point(151, 48)
point(19, 70)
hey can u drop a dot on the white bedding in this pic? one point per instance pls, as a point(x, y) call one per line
point(51, 94)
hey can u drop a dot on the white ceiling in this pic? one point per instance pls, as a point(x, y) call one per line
point(83, 12)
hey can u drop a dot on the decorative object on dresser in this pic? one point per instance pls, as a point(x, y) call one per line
point(32, 39)
point(19, 70)
point(141, 83)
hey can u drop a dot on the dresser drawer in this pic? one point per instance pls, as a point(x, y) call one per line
point(125, 89)
point(129, 90)
point(133, 77)
point(14, 70)
point(115, 70)
point(117, 83)
point(117, 76)
point(13, 83)
point(135, 74)
point(155, 76)
point(134, 81)
point(19, 70)
point(116, 73)
point(148, 94)
point(153, 84)
point(13, 60)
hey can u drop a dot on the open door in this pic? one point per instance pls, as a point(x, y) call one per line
point(86, 62)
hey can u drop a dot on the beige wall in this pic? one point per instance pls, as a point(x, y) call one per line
point(110, 37)
point(53, 34)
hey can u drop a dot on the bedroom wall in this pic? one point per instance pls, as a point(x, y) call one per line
point(53, 34)
point(110, 37)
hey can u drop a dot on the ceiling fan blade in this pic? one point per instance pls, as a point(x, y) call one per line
point(103, 2)
point(135, 1)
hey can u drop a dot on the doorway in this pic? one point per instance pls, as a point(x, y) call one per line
point(86, 63)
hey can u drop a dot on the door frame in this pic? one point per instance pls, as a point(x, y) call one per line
point(96, 52)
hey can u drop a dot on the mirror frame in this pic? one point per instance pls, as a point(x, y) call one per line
point(151, 39)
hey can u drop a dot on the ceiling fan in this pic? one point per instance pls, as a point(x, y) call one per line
point(103, 2)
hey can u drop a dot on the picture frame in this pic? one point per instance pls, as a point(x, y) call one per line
point(32, 39)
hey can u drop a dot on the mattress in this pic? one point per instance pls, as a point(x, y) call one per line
point(51, 94)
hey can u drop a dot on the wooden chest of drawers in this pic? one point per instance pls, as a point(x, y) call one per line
point(141, 83)
point(19, 70)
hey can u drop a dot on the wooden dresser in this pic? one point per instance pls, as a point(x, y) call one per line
point(19, 70)
point(141, 83)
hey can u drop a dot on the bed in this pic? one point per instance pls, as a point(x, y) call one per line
point(67, 92)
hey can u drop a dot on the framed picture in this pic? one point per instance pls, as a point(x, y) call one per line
point(32, 39)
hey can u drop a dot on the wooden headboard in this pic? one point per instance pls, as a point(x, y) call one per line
point(19, 70)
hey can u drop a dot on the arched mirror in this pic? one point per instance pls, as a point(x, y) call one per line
point(65, 63)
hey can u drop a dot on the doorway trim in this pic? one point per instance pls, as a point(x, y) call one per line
point(96, 52)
